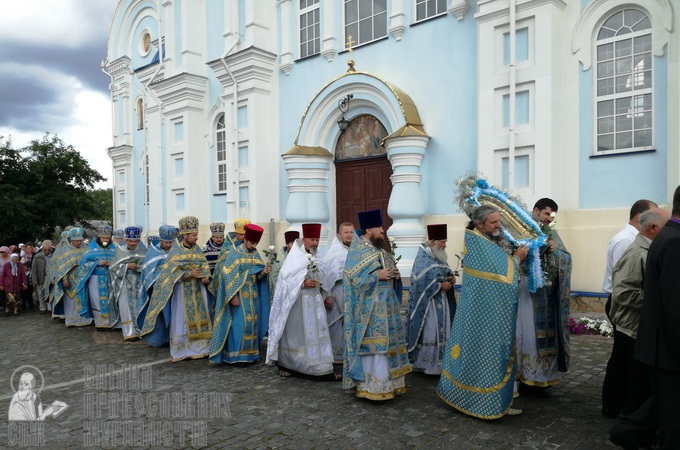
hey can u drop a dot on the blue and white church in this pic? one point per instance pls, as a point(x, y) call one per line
point(293, 111)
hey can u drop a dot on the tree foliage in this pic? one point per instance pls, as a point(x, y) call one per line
point(46, 185)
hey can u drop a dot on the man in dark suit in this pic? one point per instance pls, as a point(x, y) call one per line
point(658, 338)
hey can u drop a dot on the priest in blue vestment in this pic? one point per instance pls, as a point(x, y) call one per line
point(93, 279)
point(375, 358)
point(241, 287)
point(151, 268)
point(180, 287)
point(479, 366)
point(64, 275)
point(431, 303)
point(124, 273)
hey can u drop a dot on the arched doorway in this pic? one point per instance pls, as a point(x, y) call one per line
point(362, 170)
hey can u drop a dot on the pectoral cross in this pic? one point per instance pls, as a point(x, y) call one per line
point(349, 43)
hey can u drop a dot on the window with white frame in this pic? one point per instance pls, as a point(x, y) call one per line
point(429, 8)
point(221, 154)
point(365, 20)
point(624, 83)
point(310, 41)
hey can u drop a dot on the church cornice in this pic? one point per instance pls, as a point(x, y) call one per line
point(121, 155)
point(251, 64)
point(182, 90)
point(494, 9)
point(120, 66)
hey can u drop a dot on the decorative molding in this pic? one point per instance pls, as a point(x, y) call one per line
point(120, 155)
point(251, 64)
point(286, 64)
point(458, 9)
point(493, 10)
point(660, 13)
point(181, 91)
point(397, 24)
point(328, 48)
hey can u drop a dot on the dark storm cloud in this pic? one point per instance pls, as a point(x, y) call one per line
point(31, 104)
point(82, 63)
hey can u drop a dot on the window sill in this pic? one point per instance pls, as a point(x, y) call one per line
point(219, 194)
point(429, 19)
point(622, 153)
point(307, 57)
point(364, 44)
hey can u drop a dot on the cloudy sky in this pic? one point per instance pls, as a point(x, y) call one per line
point(50, 75)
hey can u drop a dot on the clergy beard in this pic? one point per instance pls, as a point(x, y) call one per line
point(440, 255)
point(312, 251)
point(378, 242)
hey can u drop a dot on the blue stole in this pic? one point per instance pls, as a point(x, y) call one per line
point(62, 265)
point(151, 268)
point(426, 275)
point(239, 328)
point(89, 265)
point(479, 367)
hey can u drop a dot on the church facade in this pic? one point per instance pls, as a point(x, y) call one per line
point(294, 111)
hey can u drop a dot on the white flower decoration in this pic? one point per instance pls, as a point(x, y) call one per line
point(271, 247)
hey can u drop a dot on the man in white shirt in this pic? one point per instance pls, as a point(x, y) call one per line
point(614, 386)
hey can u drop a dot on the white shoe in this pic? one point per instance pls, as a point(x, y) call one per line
point(513, 412)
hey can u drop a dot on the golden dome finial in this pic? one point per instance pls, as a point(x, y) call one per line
point(350, 63)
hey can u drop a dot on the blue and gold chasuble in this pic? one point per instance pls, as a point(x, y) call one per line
point(238, 330)
point(212, 252)
point(479, 367)
point(120, 277)
point(89, 265)
point(151, 268)
point(371, 313)
point(426, 276)
point(176, 269)
point(64, 265)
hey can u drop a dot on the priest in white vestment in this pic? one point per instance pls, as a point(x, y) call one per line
point(299, 342)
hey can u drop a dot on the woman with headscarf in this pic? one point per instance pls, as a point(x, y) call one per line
point(13, 280)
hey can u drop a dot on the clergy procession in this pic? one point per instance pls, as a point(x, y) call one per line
point(336, 316)
point(340, 316)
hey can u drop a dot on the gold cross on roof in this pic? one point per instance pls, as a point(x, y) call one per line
point(348, 45)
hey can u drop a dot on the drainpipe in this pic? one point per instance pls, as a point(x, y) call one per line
point(103, 65)
point(234, 197)
point(512, 93)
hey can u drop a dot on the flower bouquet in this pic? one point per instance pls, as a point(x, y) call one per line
point(584, 325)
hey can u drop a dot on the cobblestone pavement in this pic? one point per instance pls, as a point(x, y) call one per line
point(253, 408)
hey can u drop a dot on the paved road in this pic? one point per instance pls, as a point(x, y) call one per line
point(126, 394)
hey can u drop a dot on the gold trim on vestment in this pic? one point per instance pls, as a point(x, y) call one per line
point(205, 355)
point(539, 383)
point(386, 396)
point(479, 416)
point(508, 278)
point(488, 390)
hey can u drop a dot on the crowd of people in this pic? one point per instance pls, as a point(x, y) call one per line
point(338, 316)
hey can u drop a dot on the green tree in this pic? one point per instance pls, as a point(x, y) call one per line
point(44, 186)
point(102, 202)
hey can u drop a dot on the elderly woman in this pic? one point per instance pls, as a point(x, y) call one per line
point(12, 281)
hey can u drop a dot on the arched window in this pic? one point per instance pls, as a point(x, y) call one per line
point(221, 154)
point(140, 114)
point(624, 83)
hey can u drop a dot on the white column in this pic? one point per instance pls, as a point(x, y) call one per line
point(308, 190)
point(406, 206)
